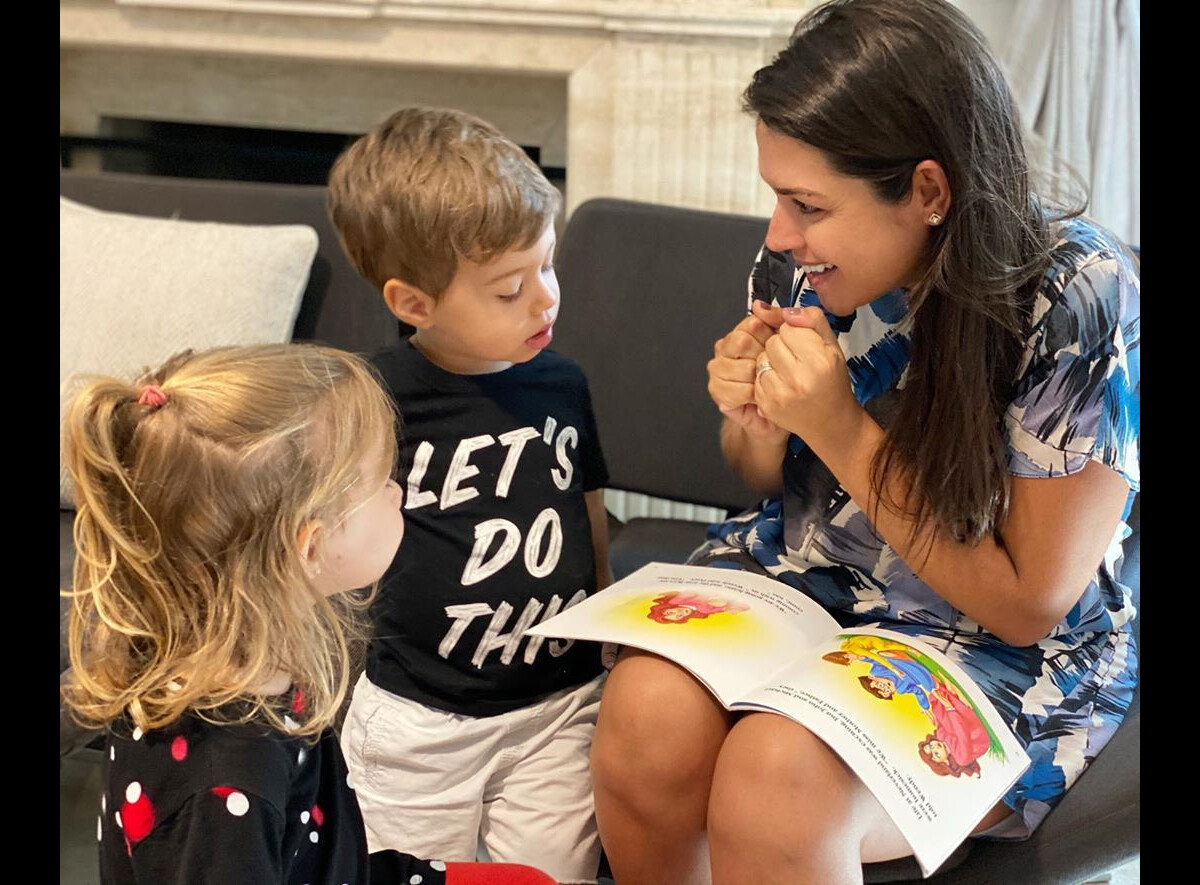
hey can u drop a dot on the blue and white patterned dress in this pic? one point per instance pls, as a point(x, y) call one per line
point(1076, 400)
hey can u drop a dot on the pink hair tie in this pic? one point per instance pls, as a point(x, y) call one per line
point(153, 396)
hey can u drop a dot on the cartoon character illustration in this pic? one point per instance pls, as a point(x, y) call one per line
point(678, 608)
point(868, 648)
point(900, 675)
point(892, 668)
point(959, 737)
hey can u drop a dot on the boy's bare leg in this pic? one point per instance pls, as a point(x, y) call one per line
point(656, 744)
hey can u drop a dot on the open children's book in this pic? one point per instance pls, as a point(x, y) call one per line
point(906, 719)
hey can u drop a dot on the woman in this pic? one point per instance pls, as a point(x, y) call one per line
point(937, 389)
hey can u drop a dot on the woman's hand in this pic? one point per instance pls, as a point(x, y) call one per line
point(936, 695)
point(807, 389)
point(731, 382)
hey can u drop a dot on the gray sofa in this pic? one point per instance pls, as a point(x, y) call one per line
point(647, 289)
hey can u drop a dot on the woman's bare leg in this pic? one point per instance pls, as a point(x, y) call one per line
point(656, 743)
point(785, 808)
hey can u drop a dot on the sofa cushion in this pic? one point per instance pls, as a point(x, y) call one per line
point(135, 290)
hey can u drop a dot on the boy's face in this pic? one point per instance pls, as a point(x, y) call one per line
point(494, 314)
point(884, 687)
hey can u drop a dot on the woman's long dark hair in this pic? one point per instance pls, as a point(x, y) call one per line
point(878, 86)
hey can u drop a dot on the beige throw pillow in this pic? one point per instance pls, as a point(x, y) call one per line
point(135, 290)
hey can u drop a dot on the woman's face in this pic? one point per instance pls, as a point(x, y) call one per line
point(853, 246)
point(937, 751)
point(677, 613)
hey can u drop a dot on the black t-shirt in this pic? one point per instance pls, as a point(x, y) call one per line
point(223, 804)
point(497, 538)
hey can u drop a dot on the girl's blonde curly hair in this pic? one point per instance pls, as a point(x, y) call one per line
point(189, 588)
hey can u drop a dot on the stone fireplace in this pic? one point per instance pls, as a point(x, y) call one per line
point(632, 99)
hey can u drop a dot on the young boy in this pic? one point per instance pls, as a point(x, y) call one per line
point(461, 727)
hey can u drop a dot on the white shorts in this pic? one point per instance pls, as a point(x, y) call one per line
point(434, 784)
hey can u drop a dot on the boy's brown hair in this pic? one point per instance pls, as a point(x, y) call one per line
point(428, 186)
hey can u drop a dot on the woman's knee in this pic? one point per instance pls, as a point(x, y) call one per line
point(656, 723)
point(773, 776)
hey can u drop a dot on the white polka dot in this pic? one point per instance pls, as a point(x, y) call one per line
point(416, 879)
point(237, 804)
point(349, 780)
point(290, 724)
point(304, 817)
point(133, 791)
point(112, 753)
point(301, 756)
point(117, 817)
point(103, 802)
point(313, 837)
point(438, 865)
point(137, 734)
point(99, 830)
point(174, 686)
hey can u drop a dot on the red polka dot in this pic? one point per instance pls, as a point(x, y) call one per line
point(298, 701)
point(318, 815)
point(179, 748)
point(222, 791)
point(137, 818)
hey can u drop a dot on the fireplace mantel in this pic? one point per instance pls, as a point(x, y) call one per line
point(635, 99)
point(730, 19)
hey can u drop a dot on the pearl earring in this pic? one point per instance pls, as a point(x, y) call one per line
point(935, 219)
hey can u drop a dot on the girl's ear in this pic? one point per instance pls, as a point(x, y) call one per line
point(408, 303)
point(308, 543)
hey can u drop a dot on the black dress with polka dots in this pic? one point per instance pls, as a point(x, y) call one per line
point(229, 804)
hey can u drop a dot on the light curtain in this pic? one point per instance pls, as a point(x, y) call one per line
point(1075, 69)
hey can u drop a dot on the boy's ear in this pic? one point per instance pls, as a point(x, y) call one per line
point(408, 303)
point(308, 545)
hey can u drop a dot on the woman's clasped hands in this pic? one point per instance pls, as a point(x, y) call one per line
point(781, 371)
